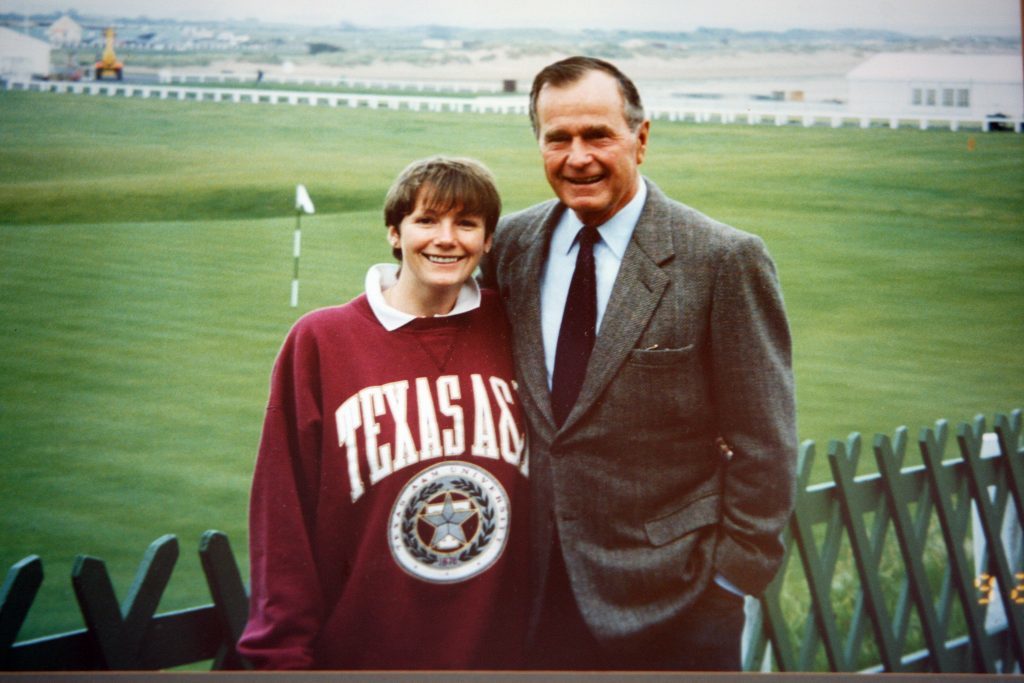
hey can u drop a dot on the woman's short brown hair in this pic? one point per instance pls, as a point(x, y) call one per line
point(446, 183)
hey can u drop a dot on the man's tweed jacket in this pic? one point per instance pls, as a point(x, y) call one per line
point(694, 347)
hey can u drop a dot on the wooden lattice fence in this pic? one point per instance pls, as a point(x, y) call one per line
point(951, 527)
point(967, 615)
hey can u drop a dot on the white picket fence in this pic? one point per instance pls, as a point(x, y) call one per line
point(509, 104)
point(832, 118)
point(499, 105)
point(419, 86)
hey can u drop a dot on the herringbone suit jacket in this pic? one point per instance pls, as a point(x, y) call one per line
point(694, 346)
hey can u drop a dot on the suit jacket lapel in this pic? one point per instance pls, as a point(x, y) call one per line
point(638, 288)
point(525, 272)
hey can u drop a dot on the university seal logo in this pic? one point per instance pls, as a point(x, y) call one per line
point(449, 523)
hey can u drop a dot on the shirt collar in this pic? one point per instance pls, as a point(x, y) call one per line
point(615, 232)
point(384, 275)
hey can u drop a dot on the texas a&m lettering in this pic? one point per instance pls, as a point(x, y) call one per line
point(439, 409)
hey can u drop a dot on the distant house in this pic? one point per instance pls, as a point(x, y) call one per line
point(938, 84)
point(64, 31)
point(197, 33)
point(231, 39)
point(22, 56)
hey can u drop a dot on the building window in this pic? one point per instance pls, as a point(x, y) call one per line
point(963, 97)
point(947, 97)
point(917, 97)
point(931, 97)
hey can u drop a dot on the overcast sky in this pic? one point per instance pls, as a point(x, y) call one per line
point(939, 17)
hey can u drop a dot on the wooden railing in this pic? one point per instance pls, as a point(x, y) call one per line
point(947, 530)
point(128, 636)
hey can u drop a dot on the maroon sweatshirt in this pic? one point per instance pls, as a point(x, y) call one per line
point(388, 516)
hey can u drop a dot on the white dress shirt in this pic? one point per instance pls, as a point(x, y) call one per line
point(561, 262)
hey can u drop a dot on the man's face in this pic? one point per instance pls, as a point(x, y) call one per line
point(590, 154)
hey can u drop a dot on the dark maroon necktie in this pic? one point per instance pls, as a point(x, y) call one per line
point(579, 327)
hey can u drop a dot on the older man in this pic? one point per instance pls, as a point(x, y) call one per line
point(653, 355)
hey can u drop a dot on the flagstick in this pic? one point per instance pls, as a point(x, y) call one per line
point(302, 204)
point(298, 243)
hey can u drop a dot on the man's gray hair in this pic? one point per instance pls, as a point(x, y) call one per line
point(572, 69)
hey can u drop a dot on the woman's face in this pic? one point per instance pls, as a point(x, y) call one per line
point(440, 251)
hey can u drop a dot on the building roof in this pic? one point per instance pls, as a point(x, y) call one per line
point(904, 66)
point(12, 42)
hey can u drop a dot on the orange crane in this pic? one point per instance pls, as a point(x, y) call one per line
point(109, 64)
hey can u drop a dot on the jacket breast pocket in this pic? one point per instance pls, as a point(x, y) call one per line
point(660, 357)
point(691, 517)
point(660, 389)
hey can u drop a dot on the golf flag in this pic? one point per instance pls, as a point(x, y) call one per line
point(303, 204)
point(302, 201)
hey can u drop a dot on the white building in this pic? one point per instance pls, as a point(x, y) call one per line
point(22, 56)
point(230, 38)
point(939, 85)
point(65, 31)
point(439, 44)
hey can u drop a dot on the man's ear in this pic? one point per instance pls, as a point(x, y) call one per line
point(642, 135)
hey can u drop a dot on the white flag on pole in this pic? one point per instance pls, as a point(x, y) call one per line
point(302, 201)
point(303, 204)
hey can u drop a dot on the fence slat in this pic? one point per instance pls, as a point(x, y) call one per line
point(182, 637)
point(818, 569)
point(230, 602)
point(96, 598)
point(946, 490)
point(74, 651)
point(969, 437)
point(910, 534)
point(174, 639)
point(120, 631)
point(843, 459)
point(1008, 433)
point(16, 596)
point(774, 626)
point(774, 629)
point(143, 597)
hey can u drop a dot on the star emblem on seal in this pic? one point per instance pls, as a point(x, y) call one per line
point(448, 520)
point(449, 523)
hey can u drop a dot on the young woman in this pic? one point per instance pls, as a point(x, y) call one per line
point(388, 511)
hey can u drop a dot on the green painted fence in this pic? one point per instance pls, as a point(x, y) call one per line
point(129, 636)
point(950, 527)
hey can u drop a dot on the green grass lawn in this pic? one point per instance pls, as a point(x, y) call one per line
point(145, 261)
